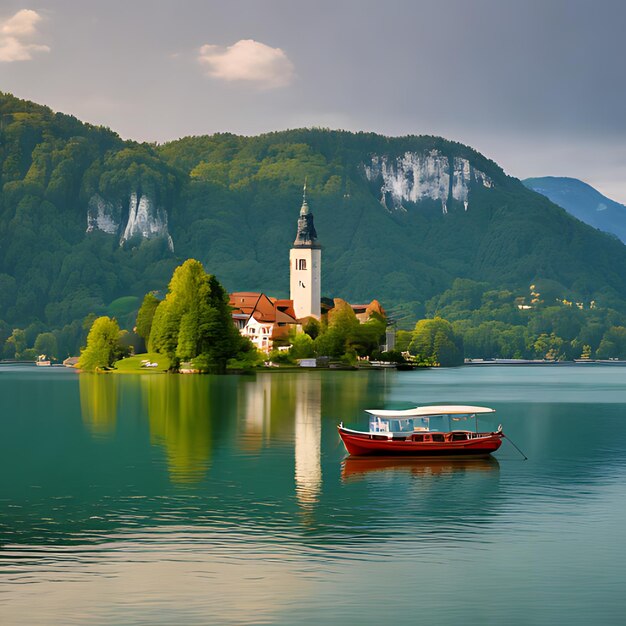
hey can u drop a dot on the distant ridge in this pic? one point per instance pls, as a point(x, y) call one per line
point(583, 202)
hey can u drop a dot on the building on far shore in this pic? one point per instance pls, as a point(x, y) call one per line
point(264, 320)
point(364, 311)
point(268, 321)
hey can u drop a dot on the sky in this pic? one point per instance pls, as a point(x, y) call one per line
point(537, 86)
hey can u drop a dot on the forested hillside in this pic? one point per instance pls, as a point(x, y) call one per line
point(507, 236)
point(89, 223)
point(52, 271)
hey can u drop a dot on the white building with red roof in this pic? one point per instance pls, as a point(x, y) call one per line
point(262, 319)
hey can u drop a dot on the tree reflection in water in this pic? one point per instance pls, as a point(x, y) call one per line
point(99, 403)
point(179, 411)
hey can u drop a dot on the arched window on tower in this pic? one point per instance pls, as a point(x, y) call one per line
point(301, 264)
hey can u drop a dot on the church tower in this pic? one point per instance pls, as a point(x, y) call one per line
point(305, 266)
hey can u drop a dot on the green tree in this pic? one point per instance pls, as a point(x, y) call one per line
point(164, 331)
point(194, 321)
point(16, 344)
point(302, 346)
point(342, 317)
point(330, 343)
point(344, 325)
point(549, 347)
point(436, 339)
point(145, 315)
point(102, 345)
point(312, 327)
point(46, 343)
point(542, 345)
point(403, 340)
point(339, 331)
point(367, 337)
point(445, 350)
point(613, 344)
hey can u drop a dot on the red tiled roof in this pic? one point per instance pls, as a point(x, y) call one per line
point(244, 299)
point(263, 308)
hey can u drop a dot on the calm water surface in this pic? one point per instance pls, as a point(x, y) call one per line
point(205, 500)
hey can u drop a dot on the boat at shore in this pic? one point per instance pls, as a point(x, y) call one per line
point(423, 431)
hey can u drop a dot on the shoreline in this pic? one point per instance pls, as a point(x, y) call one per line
point(295, 368)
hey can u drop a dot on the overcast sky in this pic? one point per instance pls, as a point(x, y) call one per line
point(538, 86)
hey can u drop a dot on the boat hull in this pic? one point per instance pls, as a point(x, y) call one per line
point(370, 444)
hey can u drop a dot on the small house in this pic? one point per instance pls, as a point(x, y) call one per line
point(265, 321)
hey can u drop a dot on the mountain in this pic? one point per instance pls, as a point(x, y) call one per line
point(399, 218)
point(583, 202)
point(89, 223)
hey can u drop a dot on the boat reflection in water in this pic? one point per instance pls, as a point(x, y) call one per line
point(354, 468)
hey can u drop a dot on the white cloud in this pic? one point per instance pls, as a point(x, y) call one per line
point(15, 33)
point(22, 23)
point(248, 60)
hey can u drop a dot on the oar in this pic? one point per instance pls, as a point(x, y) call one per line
point(513, 444)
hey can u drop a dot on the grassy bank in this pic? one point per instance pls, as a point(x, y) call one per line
point(136, 364)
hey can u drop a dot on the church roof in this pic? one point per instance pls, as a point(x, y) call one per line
point(262, 308)
point(306, 237)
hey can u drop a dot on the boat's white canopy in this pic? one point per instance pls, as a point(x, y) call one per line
point(429, 411)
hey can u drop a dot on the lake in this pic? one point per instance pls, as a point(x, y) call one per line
point(164, 499)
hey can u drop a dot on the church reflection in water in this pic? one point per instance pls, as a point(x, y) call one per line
point(255, 399)
point(308, 440)
point(284, 408)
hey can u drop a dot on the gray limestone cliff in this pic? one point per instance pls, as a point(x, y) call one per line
point(103, 215)
point(413, 177)
point(144, 219)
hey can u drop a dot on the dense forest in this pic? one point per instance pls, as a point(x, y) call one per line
point(497, 323)
point(89, 223)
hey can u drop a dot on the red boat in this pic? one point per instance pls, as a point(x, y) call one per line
point(423, 431)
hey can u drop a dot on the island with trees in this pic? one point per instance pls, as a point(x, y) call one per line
point(191, 329)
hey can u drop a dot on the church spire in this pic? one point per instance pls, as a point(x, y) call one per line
point(306, 235)
point(305, 207)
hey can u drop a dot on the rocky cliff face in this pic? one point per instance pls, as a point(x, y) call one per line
point(144, 219)
point(103, 215)
point(413, 177)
